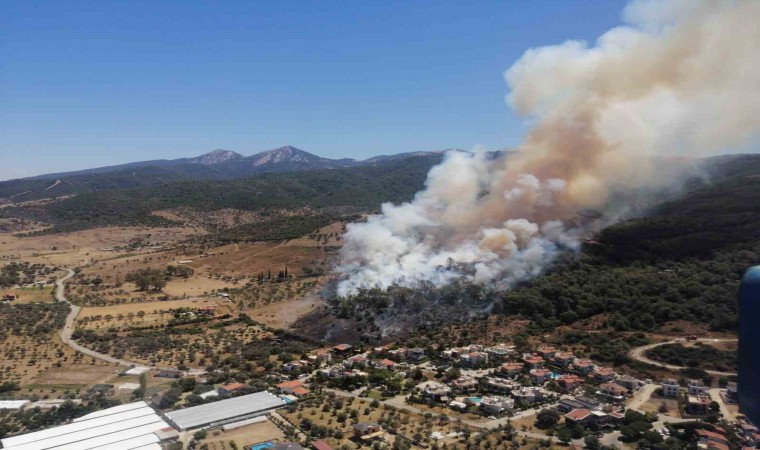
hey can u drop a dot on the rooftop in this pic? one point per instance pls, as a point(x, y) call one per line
point(124, 427)
point(578, 414)
point(300, 391)
point(224, 410)
point(321, 445)
point(612, 387)
point(286, 445)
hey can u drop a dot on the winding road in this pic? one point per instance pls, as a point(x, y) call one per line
point(638, 354)
point(68, 328)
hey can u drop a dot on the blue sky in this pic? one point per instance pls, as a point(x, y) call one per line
point(86, 84)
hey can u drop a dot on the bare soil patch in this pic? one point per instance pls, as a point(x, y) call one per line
point(654, 403)
point(284, 314)
point(84, 374)
point(81, 247)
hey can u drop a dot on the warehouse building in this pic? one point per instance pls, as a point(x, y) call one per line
point(134, 426)
point(225, 411)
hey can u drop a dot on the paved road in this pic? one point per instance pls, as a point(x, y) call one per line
point(68, 329)
point(638, 354)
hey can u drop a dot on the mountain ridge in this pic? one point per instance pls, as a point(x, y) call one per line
point(219, 156)
point(219, 164)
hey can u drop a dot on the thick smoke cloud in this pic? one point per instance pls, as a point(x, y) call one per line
point(680, 78)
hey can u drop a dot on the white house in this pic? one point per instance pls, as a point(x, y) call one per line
point(670, 388)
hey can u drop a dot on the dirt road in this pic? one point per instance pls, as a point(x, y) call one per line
point(638, 354)
point(68, 328)
point(641, 396)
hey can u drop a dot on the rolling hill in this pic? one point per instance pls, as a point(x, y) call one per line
point(215, 165)
point(326, 194)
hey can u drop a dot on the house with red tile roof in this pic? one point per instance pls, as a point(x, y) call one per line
point(578, 416)
point(711, 440)
point(563, 359)
point(286, 387)
point(613, 391)
point(321, 445)
point(547, 351)
point(342, 348)
point(533, 361)
point(300, 391)
point(385, 364)
point(540, 376)
point(511, 369)
point(569, 382)
point(583, 366)
point(231, 387)
point(604, 374)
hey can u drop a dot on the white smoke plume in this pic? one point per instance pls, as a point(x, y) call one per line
point(679, 78)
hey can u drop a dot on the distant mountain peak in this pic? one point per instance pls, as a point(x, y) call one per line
point(215, 157)
point(286, 154)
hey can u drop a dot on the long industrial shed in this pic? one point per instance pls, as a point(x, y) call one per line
point(225, 411)
point(134, 426)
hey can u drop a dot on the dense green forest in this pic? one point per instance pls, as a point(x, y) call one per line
point(328, 194)
point(682, 262)
point(700, 355)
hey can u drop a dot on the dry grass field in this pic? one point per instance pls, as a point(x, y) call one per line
point(243, 436)
point(141, 314)
point(82, 247)
point(39, 361)
point(654, 403)
point(48, 367)
point(77, 374)
point(250, 259)
point(284, 314)
point(30, 295)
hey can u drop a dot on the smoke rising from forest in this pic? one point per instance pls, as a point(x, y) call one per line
point(678, 79)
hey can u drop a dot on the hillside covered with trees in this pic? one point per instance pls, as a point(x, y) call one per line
point(683, 261)
point(320, 196)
